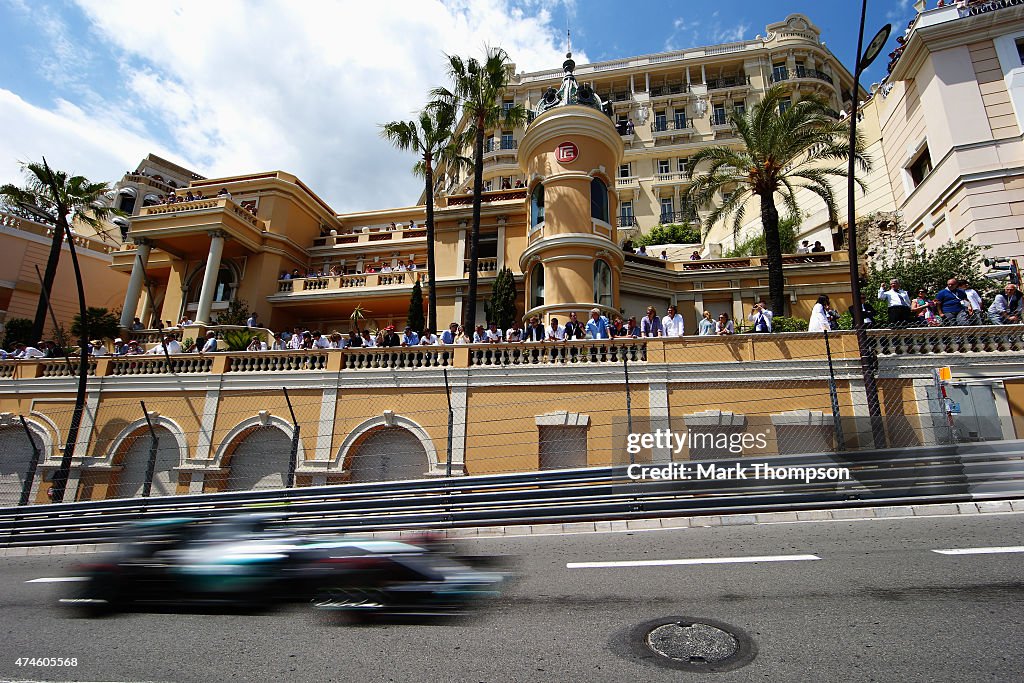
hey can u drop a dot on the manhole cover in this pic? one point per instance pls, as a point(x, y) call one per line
point(687, 643)
point(694, 644)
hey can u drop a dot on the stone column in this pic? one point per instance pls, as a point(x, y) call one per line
point(501, 241)
point(131, 297)
point(210, 276)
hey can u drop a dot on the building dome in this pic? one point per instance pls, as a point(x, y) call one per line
point(570, 92)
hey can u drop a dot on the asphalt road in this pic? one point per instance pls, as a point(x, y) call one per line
point(880, 605)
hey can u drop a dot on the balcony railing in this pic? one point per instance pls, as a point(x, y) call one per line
point(224, 203)
point(343, 282)
point(151, 182)
point(626, 181)
point(483, 265)
point(685, 216)
point(625, 222)
point(486, 197)
point(720, 118)
point(576, 352)
point(728, 82)
point(671, 125)
point(779, 75)
point(669, 90)
point(500, 145)
point(671, 177)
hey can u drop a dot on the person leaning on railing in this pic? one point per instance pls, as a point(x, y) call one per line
point(1006, 307)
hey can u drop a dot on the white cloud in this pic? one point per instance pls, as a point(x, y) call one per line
point(300, 87)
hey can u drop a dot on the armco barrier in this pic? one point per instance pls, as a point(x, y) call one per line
point(961, 473)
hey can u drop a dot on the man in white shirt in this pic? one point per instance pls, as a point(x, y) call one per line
point(515, 333)
point(428, 338)
point(672, 324)
point(761, 317)
point(254, 320)
point(974, 299)
point(27, 352)
point(210, 345)
point(320, 341)
point(368, 341)
point(804, 248)
point(96, 348)
point(171, 344)
point(899, 304)
point(494, 335)
point(556, 332)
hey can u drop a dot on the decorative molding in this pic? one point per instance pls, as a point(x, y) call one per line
point(389, 419)
point(562, 418)
point(262, 420)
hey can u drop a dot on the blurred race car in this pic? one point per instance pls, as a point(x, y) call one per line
point(248, 561)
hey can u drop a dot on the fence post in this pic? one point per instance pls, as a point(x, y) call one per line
point(293, 460)
point(147, 486)
point(30, 476)
point(837, 423)
point(451, 420)
point(629, 404)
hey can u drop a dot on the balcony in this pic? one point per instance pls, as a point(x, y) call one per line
point(487, 197)
point(141, 179)
point(295, 287)
point(780, 75)
point(370, 234)
point(664, 93)
point(485, 266)
point(671, 178)
point(627, 182)
point(685, 216)
point(626, 222)
point(728, 82)
point(670, 128)
point(493, 149)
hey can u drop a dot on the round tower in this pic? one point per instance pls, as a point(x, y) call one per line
point(569, 155)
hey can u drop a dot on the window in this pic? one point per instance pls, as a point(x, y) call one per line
point(801, 72)
point(537, 286)
point(488, 247)
point(740, 108)
point(222, 292)
point(507, 141)
point(779, 71)
point(663, 166)
point(718, 115)
point(562, 447)
point(488, 185)
point(1020, 50)
point(128, 197)
point(626, 212)
point(660, 122)
point(682, 165)
point(667, 209)
point(680, 120)
point(624, 171)
point(537, 205)
point(489, 144)
point(920, 167)
point(602, 283)
point(598, 200)
point(784, 104)
point(507, 104)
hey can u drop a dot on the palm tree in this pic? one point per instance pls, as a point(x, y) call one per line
point(433, 138)
point(477, 90)
point(786, 149)
point(52, 197)
point(359, 313)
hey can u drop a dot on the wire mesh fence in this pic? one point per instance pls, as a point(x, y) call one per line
point(397, 414)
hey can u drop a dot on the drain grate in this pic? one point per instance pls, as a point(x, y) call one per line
point(688, 644)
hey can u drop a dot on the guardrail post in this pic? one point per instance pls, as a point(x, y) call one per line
point(293, 459)
point(147, 486)
point(837, 424)
point(629, 404)
point(451, 420)
point(33, 465)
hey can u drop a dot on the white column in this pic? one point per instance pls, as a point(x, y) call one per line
point(658, 402)
point(131, 297)
point(501, 242)
point(210, 276)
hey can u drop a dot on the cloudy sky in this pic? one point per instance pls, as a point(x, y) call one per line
point(230, 86)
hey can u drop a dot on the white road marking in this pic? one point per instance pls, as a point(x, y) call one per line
point(58, 579)
point(981, 551)
point(704, 560)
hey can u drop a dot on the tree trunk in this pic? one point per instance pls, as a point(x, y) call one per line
point(773, 250)
point(431, 296)
point(52, 261)
point(469, 312)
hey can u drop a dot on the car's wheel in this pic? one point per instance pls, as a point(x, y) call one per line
point(98, 596)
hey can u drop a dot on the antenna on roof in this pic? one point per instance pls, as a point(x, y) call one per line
point(568, 37)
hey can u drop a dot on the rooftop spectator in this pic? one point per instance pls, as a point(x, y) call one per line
point(672, 324)
point(706, 325)
point(724, 326)
point(651, 325)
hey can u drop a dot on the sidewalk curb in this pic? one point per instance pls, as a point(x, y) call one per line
point(992, 507)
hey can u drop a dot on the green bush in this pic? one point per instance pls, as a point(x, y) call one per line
point(671, 233)
point(237, 340)
point(100, 324)
point(17, 330)
point(784, 323)
point(754, 246)
point(236, 314)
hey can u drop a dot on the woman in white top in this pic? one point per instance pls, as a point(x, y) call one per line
point(724, 326)
point(819, 316)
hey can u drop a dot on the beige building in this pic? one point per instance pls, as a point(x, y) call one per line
point(951, 116)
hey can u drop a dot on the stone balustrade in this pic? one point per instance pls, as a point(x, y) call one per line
point(984, 343)
point(360, 280)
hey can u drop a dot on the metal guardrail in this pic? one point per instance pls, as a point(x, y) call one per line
point(914, 475)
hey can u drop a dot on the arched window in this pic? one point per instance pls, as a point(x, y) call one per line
point(223, 292)
point(150, 200)
point(602, 283)
point(127, 197)
point(598, 200)
point(537, 206)
point(537, 286)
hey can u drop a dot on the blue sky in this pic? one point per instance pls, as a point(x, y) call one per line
point(236, 86)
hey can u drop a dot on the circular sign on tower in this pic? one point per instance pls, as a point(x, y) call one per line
point(566, 152)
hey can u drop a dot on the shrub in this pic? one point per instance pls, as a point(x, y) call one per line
point(236, 314)
point(237, 340)
point(18, 330)
point(784, 323)
point(672, 233)
point(100, 324)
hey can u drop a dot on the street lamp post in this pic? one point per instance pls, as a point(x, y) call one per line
point(867, 356)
